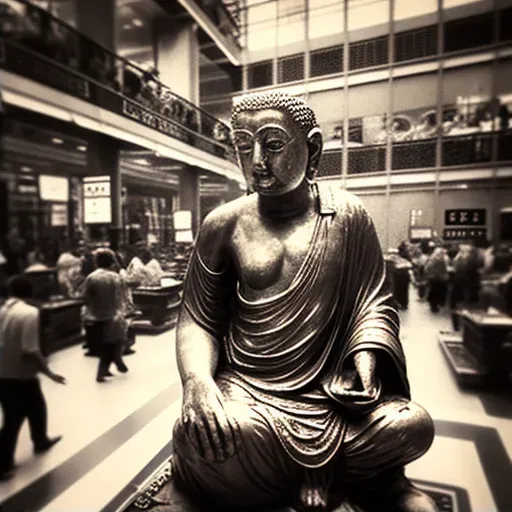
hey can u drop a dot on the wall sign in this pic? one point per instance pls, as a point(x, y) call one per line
point(420, 233)
point(465, 217)
point(459, 234)
point(97, 201)
point(59, 214)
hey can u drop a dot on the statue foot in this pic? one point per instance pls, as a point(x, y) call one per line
point(313, 498)
point(314, 491)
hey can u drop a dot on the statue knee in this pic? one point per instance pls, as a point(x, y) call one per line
point(181, 443)
point(417, 425)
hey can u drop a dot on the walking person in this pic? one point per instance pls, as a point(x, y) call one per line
point(436, 271)
point(20, 362)
point(105, 312)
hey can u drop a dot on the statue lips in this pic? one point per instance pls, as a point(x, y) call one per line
point(263, 179)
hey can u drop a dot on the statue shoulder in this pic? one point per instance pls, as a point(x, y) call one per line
point(348, 203)
point(217, 229)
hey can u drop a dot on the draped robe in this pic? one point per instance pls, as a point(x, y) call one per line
point(289, 353)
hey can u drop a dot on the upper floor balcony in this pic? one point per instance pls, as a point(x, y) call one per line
point(219, 25)
point(35, 45)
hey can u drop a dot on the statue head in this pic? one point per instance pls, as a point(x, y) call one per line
point(278, 141)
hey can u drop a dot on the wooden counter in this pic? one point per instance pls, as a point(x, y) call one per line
point(61, 324)
point(484, 354)
point(158, 306)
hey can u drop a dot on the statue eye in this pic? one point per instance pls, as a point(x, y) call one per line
point(275, 144)
point(243, 143)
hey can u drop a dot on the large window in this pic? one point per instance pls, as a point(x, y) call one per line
point(363, 14)
point(326, 17)
point(413, 128)
point(405, 9)
point(467, 115)
point(503, 108)
point(368, 121)
point(291, 21)
point(261, 25)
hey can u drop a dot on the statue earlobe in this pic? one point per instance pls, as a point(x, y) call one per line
point(315, 145)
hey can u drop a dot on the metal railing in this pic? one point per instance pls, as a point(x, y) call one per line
point(41, 33)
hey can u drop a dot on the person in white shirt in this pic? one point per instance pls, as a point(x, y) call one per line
point(20, 361)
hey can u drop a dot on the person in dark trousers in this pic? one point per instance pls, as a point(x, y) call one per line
point(436, 272)
point(105, 313)
point(20, 362)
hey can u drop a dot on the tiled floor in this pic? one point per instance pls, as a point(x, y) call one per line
point(111, 431)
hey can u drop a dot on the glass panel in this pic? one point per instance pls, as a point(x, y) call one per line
point(368, 105)
point(470, 32)
point(467, 115)
point(367, 13)
point(261, 26)
point(292, 25)
point(325, 18)
point(414, 126)
point(405, 9)
point(503, 108)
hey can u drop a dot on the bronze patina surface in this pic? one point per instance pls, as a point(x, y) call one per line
point(295, 391)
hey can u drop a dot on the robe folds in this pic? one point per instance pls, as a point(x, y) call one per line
point(292, 353)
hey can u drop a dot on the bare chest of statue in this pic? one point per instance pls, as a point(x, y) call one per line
point(269, 253)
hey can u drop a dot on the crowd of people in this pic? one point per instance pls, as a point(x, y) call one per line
point(104, 280)
point(452, 275)
point(38, 31)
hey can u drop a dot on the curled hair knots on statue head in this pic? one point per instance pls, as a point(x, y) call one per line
point(299, 110)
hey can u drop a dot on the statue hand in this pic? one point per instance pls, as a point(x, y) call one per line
point(359, 384)
point(205, 421)
point(365, 363)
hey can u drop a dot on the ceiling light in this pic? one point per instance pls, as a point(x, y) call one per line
point(56, 140)
point(137, 22)
point(81, 148)
point(26, 168)
point(127, 26)
point(141, 161)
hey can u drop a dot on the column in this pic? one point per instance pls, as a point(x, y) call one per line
point(177, 57)
point(103, 159)
point(97, 20)
point(189, 198)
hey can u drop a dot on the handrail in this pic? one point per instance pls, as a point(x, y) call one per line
point(43, 33)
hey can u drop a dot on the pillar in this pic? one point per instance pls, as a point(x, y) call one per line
point(177, 57)
point(97, 20)
point(103, 159)
point(189, 198)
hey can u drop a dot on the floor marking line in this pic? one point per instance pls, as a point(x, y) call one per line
point(48, 487)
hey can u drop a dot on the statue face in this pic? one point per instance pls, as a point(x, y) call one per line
point(273, 151)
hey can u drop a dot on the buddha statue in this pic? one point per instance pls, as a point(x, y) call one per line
point(295, 391)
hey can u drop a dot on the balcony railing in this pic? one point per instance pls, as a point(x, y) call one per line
point(35, 44)
point(467, 149)
point(367, 159)
point(470, 150)
point(505, 146)
point(413, 155)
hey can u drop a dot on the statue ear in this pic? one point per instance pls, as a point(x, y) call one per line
point(315, 145)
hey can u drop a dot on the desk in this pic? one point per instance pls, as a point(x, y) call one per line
point(61, 324)
point(484, 353)
point(158, 306)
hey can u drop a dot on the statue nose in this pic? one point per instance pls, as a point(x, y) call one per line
point(258, 158)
